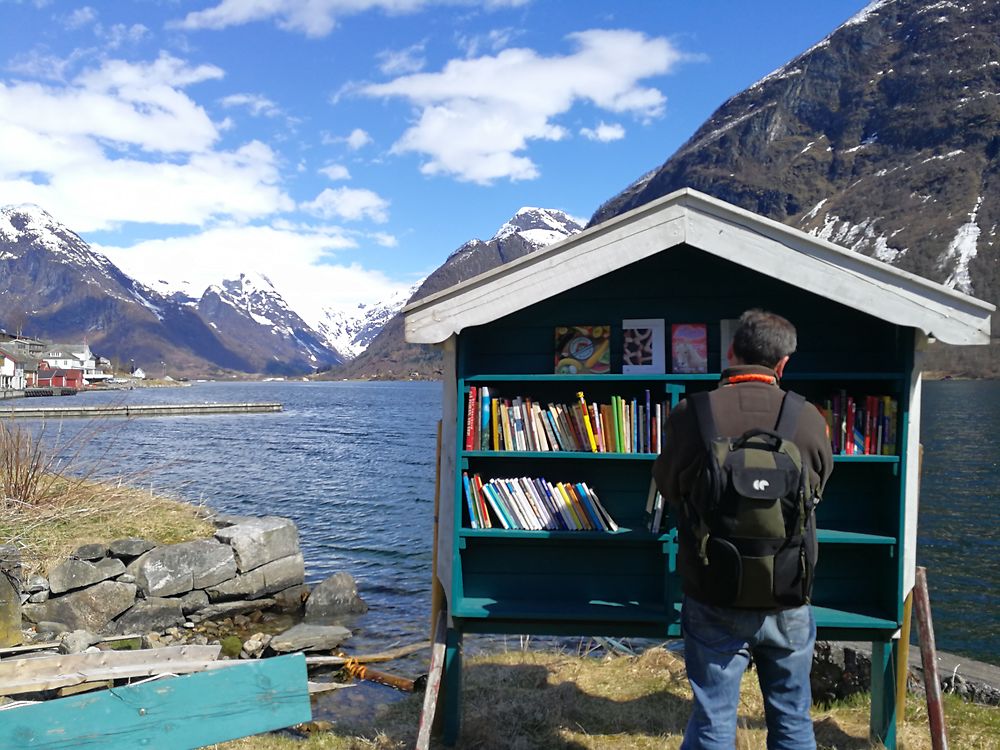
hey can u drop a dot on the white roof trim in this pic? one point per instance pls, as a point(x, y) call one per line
point(718, 228)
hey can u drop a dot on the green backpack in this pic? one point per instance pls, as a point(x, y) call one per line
point(750, 515)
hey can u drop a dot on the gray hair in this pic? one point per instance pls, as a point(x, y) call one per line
point(763, 338)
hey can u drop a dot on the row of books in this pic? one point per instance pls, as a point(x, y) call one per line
point(534, 504)
point(861, 426)
point(494, 423)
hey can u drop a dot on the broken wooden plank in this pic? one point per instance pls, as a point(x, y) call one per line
point(179, 713)
point(28, 648)
point(396, 653)
point(30, 675)
point(325, 687)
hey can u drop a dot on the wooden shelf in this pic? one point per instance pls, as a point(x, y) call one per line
point(842, 458)
point(827, 617)
point(615, 378)
point(593, 610)
point(622, 535)
point(561, 454)
point(835, 376)
point(829, 536)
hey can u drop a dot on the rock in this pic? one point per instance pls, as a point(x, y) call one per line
point(35, 584)
point(258, 541)
point(10, 612)
point(126, 578)
point(91, 608)
point(255, 645)
point(130, 548)
point(151, 615)
point(222, 520)
point(337, 595)
point(290, 600)
point(76, 641)
point(306, 637)
point(91, 552)
point(38, 597)
point(213, 611)
point(75, 574)
point(10, 562)
point(267, 579)
point(192, 601)
point(51, 627)
point(178, 568)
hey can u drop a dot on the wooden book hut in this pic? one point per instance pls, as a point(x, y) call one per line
point(694, 261)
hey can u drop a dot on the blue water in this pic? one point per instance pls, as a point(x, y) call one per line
point(353, 464)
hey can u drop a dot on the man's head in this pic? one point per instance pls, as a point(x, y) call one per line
point(763, 338)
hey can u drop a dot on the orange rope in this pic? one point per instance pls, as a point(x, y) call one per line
point(752, 377)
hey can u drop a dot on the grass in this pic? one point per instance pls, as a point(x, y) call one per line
point(522, 700)
point(49, 505)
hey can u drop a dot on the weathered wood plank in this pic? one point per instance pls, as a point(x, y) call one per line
point(46, 673)
point(179, 713)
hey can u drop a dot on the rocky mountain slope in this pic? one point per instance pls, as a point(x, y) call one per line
point(54, 286)
point(882, 138)
point(389, 356)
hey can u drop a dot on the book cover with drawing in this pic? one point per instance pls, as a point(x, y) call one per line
point(582, 350)
point(689, 348)
point(643, 347)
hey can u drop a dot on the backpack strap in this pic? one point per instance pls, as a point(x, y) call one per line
point(703, 412)
point(788, 417)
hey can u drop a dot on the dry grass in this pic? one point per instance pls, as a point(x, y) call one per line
point(51, 505)
point(523, 700)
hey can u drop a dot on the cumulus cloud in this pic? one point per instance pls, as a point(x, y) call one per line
point(336, 172)
point(477, 116)
point(123, 142)
point(352, 204)
point(299, 260)
point(314, 18)
point(604, 132)
point(80, 17)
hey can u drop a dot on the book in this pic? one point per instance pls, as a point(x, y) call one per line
point(689, 348)
point(484, 418)
point(585, 414)
point(582, 349)
point(470, 419)
point(643, 346)
point(470, 501)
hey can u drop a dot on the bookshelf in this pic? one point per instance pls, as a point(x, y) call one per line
point(685, 259)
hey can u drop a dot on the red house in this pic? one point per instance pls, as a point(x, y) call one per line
point(58, 377)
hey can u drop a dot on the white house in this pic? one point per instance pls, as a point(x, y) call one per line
point(11, 372)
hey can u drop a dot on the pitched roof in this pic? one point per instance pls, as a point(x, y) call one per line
point(688, 217)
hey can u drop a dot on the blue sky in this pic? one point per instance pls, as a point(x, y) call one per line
point(346, 147)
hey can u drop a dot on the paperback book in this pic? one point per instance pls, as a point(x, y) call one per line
point(689, 348)
point(582, 350)
point(643, 346)
point(534, 504)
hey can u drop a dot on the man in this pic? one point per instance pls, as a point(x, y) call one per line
point(721, 640)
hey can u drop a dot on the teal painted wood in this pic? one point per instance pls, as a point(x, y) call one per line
point(174, 713)
point(594, 378)
point(829, 536)
point(882, 720)
point(650, 457)
point(452, 678)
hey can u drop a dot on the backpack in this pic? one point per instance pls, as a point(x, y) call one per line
point(750, 515)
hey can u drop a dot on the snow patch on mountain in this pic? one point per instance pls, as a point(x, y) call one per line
point(540, 226)
point(961, 251)
point(351, 330)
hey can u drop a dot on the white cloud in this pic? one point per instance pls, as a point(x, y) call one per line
point(477, 116)
point(604, 132)
point(80, 17)
point(256, 103)
point(124, 143)
point(314, 18)
point(385, 240)
point(358, 139)
point(297, 260)
point(403, 61)
point(493, 40)
point(348, 203)
point(336, 172)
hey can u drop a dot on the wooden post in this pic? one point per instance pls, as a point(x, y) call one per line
point(928, 657)
point(882, 726)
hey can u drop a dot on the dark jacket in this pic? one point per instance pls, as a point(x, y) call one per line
point(736, 407)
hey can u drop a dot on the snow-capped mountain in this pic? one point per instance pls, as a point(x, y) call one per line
point(528, 230)
point(351, 331)
point(54, 286)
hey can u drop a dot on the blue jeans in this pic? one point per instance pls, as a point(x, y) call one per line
point(718, 643)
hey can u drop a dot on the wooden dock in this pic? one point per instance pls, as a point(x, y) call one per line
point(140, 410)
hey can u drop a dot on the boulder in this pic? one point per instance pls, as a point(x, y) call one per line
point(337, 595)
point(267, 579)
point(130, 548)
point(75, 574)
point(258, 541)
point(292, 599)
point(178, 568)
point(151, 615)
point(38, 597)
point(306, 637)
point(10, 612)
point(76, 641)
point(36, 584)
point(91, 608)
point(192, 601)
point(10, 563)
point(92, 552)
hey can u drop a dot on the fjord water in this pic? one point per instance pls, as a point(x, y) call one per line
point(353, 464)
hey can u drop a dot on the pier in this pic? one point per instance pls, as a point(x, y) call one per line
point(141, 410)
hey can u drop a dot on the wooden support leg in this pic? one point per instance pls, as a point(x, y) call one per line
point(452, 687)
point(882, 727)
